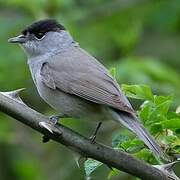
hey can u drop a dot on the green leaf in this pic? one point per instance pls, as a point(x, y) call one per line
point(146, 155)
point(145, 111)
point(177, 131)
point(158, 109)
point(119, 139)
point(162, 104)
point(161, 99)
point(161, 109)
point(132, 146)
point(112, 71)
point(176, 146)
point(171, 124)
point(170, 139)
point(113, 172)
point(153, 123)
point(156, 128)
point(138, 91)
point(90, 166)
point(173, 142)
point(172, 115)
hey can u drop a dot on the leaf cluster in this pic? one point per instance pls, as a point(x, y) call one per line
point(156, 115)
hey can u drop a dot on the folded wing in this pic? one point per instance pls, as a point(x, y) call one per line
point(87, 79)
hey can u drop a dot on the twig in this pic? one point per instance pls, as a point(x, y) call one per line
point(78, 143)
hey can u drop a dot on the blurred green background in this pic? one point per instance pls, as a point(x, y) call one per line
point(140, 38)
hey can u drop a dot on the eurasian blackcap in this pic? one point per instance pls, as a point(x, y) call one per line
point(75, 83)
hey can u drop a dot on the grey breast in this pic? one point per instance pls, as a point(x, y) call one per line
point(61, 101)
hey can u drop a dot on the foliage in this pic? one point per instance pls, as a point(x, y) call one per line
point(157, 117)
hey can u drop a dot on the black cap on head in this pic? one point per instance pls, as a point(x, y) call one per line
point(43, 26)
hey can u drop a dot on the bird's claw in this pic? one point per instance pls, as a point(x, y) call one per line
point(50, 126)
point(54, 119)
point(92, 138)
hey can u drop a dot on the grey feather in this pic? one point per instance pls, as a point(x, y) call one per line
point(76, 84)
point(85, 77)
point(132, 123)
point(91, 81)
point(47, 76)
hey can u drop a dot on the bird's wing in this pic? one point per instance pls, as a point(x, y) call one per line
point(83, 76)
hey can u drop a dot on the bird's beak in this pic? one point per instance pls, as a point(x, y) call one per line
point(18, 39)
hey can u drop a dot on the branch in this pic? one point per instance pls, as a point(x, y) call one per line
point(76, 142)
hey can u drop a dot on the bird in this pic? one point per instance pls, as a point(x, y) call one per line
point(75, 83)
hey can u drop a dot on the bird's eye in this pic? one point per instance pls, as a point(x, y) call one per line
point(39, 35)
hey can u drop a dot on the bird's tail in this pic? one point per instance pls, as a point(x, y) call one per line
point(134, 125)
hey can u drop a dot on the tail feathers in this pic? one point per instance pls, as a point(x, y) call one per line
point(134, 125)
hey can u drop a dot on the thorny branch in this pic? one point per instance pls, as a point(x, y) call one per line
point(11, 104)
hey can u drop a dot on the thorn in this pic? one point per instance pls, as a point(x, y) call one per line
point(168, 166)
point(51, 128)
point(46, 125)
point(14, 95)
point(168, 170)
point(79, 159)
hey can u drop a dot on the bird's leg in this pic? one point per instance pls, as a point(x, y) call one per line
point(50, 125)
point(54, 118)
point(93, 137)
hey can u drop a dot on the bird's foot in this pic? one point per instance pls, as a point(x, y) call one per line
point(93, 137)
point(50, 126)
point(168, 170)
point(54, 118)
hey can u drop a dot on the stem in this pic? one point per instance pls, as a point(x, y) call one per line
point(76, 142)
